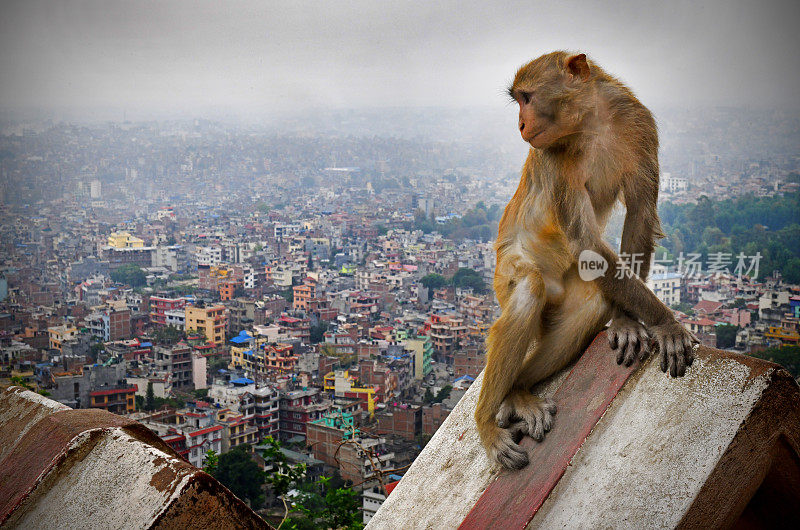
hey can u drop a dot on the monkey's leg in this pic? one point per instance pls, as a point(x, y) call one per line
point(571, 328)
point(508, 341)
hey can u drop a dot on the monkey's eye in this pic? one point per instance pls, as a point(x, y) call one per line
point(525, 97)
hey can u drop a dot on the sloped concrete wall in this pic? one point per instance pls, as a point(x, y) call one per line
point(651, 461)
point(64, 468)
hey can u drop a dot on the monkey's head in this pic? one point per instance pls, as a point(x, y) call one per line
point(553, 95)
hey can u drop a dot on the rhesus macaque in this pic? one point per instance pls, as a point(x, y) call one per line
point(592, 143)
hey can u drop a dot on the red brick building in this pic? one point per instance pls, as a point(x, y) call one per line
point(401, 420)
point(469, 361)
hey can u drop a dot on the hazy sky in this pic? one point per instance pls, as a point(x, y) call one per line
point(294, 54)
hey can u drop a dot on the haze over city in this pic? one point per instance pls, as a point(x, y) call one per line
point(190, 58)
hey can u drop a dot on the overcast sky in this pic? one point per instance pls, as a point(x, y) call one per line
point(297, 55)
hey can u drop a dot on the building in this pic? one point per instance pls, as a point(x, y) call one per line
point(404, 420)
point(60, 334)
point(228, 288)
point(237, 431)
point(260, 407)
point(469, 361)
point(124, 240)
point(298, 408)
point(118, 400)
point(336, 440)
point(199, 442)
point(666, 286)
point(175, 318)
point(423, 353)
point(673, 184)
point(95, 189)
point(372, 499)
point(295, 327)
point(73, 387)
point(117, 257)
point(159, 306)
point(177, 361)
point(342, 384)
point(303, 294)
point(110, 324)
point(447, 333)
point(211, 320)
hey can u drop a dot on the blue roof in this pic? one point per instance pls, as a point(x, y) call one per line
point(242, 381)
point(243, 336)
point(464, 378)
point(145, 344)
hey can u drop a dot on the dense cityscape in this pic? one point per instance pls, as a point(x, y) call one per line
point(312, 296)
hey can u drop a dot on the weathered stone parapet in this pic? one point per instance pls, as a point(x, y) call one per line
point(65, 468)
point(630, 448)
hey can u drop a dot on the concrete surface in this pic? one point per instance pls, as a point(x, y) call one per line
point(688, 452)
point(450, 474)
point(63, 468)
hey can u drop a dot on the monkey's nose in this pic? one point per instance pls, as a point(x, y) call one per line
point(521, 126)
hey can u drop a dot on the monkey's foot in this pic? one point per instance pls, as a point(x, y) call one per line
point(677, 345)
point(535, 414)
point(629, 338)
point(502, 448)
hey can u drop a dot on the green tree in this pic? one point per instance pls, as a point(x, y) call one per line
point(288, 294)
point(428, 397)
point(95, 350)
point(433, 281)
point(726, 335)
point(443, 394)
point(129, 274)
point(237, 470)
point(470, 279)
point(786, 356)
point(318, 332)
point(325, 503)
point(211, 463)
point(150, 397)
point(200, 393)
point(167, 335)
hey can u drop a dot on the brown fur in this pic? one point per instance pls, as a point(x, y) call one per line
point(593, 143)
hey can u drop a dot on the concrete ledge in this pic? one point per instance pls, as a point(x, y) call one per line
point(716, 447)
point(64, 468)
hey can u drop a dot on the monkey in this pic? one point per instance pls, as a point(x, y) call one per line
point(592, 143)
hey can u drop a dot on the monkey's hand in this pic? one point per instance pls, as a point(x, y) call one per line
point(535, 414)
point(676, 345)
point(629, 338)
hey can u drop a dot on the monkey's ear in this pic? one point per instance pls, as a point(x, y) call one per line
point(577, 66)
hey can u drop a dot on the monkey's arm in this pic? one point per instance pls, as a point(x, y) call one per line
point(622, 288)
point(642, 227)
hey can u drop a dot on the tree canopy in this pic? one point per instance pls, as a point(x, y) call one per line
point(748, 224)
point(129, 274)
point(237, 470)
